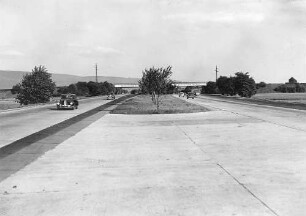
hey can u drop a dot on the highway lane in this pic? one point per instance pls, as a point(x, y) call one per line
point(19, 123)
point(290, 118)
point(237, 159)
point(261, 147)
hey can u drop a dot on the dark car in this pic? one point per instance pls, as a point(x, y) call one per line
point(68, 101)
point(191, 95)
point(111, 96)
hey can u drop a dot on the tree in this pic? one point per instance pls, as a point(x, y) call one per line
point(261, 85)
point(245, 85)
point(210, 88)
point(108, 88)
point(299, 88)
point(72, 88)
point(292, 80)
point(82, 88)
point(290, 88)
point(94, 88)
point(16, 89)
point(36, 87)
point(226, 85)
point(156, 81)
point(188, 89)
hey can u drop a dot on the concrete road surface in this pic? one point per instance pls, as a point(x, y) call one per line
point(234, 160)
point(18, 123)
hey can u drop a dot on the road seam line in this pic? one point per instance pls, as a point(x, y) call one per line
point(227, 172)
point(247, 189)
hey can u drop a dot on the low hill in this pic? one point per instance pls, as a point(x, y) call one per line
point(10, 78)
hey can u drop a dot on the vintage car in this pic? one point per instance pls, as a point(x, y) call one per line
point(181, 94)
point(68, 101)
point(111, 96)
point(191, 95)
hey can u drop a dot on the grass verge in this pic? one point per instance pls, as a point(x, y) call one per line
point(142, 104)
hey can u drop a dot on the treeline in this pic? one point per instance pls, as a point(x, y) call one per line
point(241, 84)
point(89, 89)
point(291, 87)
point(38, 87)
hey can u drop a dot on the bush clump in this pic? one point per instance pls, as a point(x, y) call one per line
point(36, 87)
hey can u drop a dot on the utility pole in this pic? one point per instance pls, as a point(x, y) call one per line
point(216, 73)
point(96, 73)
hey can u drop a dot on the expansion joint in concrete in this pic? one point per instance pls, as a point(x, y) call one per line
point(228, 173)
point(247, 189)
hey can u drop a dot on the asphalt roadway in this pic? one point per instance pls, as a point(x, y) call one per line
point(237, 159)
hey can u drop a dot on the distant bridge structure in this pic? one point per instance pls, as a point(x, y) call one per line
point(126, 85)
point(178, 84)
point(185, 84)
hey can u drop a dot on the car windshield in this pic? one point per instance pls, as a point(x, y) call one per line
point(68, 96)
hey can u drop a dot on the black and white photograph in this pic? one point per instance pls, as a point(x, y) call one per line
point(153, 108)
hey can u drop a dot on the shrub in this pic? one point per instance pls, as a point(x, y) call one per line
point(135, 91)
point(36, 87)
point(261, 85)
point(210, 88)
point(156, 81)
point(244, 85)
point(16, 89)
point(226, 85)
point(292, 80)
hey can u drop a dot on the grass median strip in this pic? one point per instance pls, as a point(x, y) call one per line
point(142, 104)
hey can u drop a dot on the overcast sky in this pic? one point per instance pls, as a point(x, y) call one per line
point(266, 38)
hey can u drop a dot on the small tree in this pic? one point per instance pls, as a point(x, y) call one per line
point(188, 89)
point(36, 87)
point(292, 80)
point(226, 85)
point(245, 85)
point(156, 81)
point(261, 85)
point(210, 88)
point(108, 87)
point(16, 89)
point(82, 88)
point(72, 88)
point(300, 88)
point(94, 88)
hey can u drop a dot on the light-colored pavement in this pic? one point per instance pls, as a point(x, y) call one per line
point(211, 163)
point(16, 124)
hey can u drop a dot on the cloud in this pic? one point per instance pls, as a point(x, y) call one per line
point(108, 51)
point(97, 51)
point(11, 53)
point(218, 17)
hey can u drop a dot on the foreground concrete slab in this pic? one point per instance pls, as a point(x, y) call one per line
point(157, 165)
